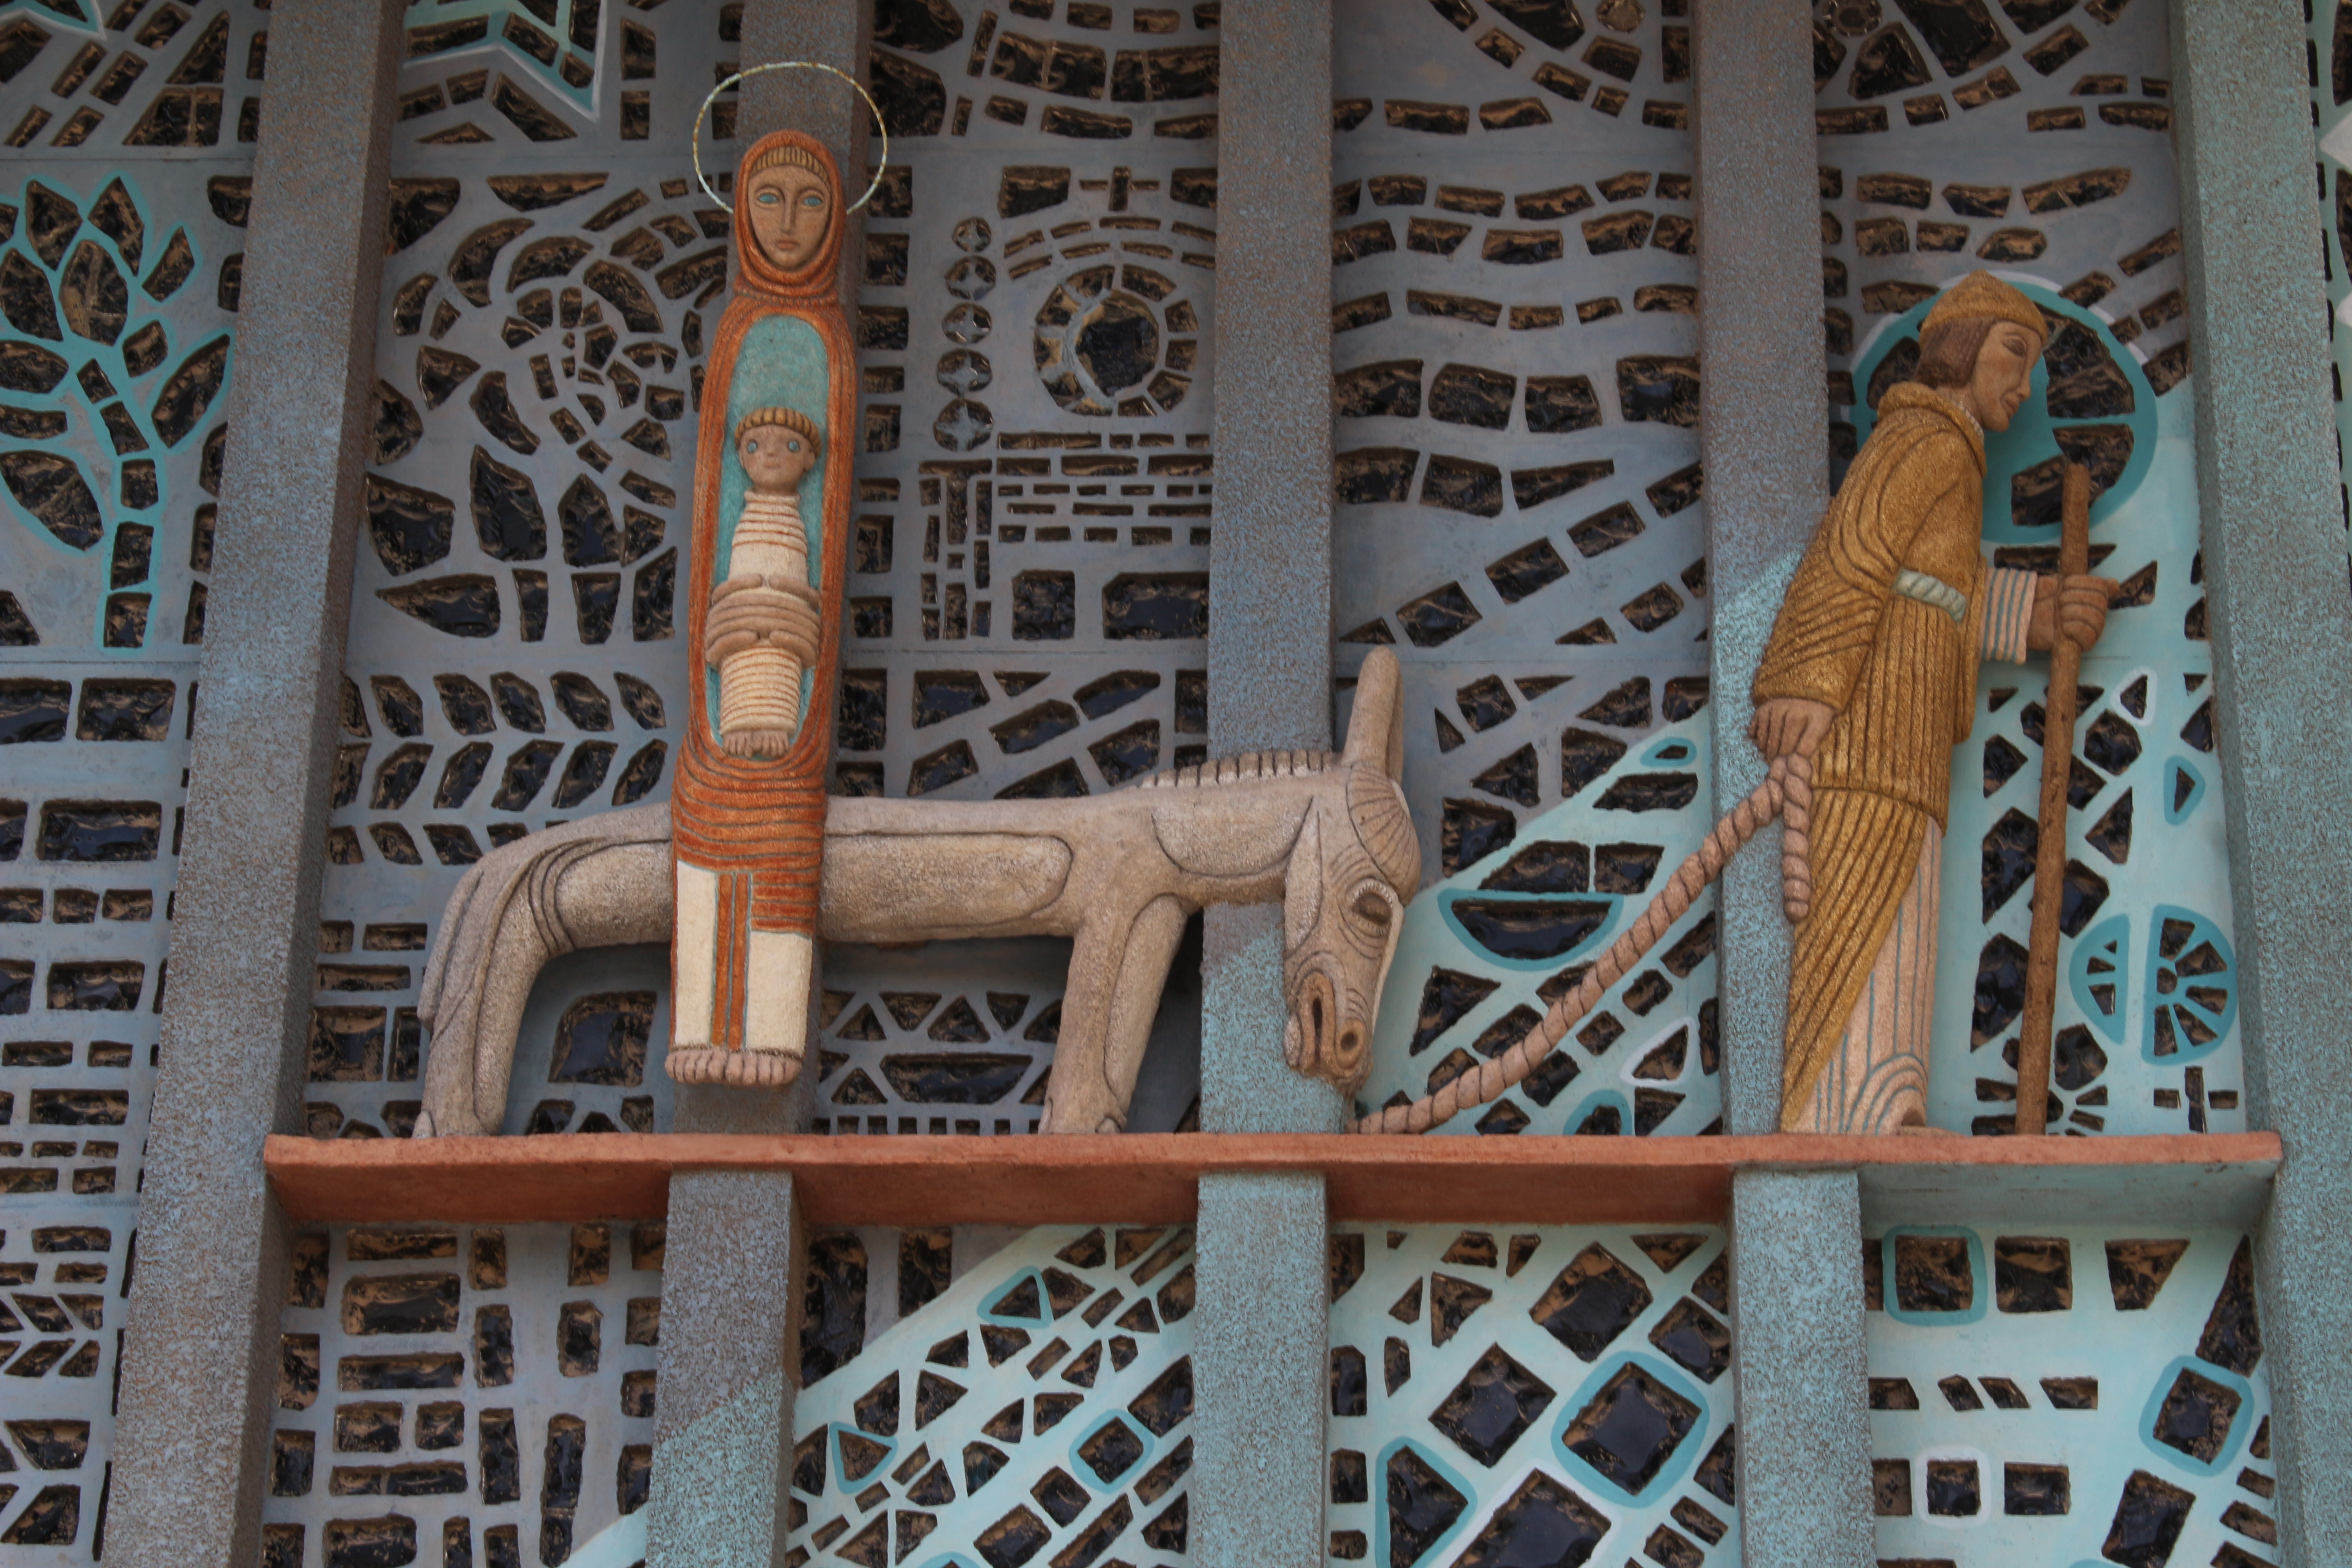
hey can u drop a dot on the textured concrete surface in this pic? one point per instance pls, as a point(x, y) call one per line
point(1802, 1380)
point(1270, 556)
point(1764, 444)
point(199, 1362)
point(1245, 1085)
point(1259, 1373)
point(2274, 566)
point(723, 1431)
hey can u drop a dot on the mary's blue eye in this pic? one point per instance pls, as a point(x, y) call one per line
point(812, 199)
point(768, 198)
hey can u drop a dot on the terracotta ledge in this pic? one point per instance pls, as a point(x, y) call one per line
point(2215, 1178)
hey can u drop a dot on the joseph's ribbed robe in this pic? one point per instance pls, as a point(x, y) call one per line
point(1901, 675)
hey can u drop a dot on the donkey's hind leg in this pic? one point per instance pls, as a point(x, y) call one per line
point(1116, 979)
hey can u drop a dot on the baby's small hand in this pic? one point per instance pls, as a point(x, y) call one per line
point(746, 612)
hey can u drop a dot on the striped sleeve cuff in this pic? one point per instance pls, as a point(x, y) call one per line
point(2009, 612)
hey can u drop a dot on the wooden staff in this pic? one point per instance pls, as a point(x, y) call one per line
point(2049, 848)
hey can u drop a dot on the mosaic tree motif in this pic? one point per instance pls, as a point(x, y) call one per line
point(121, 262)
point(2081, 209)
point(907, 1445)
point(80, 79)
point(2069, 1395)
point(1551, 1394)
point(1516, 391)
point(474, 1394)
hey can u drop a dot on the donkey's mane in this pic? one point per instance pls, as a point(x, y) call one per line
point(1248, 768)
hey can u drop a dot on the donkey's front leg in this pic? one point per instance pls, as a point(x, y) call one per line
point(1118, 966)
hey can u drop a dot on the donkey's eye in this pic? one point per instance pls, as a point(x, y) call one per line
point(1372, 907)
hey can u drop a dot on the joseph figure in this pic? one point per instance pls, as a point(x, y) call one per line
point(1871, 674)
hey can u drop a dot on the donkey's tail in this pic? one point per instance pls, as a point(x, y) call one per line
point(1787, 791)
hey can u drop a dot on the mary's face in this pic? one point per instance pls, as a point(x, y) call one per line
point(790, 208)
point(2004, 373)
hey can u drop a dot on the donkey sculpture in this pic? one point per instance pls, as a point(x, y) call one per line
point(1120, 874)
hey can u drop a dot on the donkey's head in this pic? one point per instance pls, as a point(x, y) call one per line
point(1355, 866)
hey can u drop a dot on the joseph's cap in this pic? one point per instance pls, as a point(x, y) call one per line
point(1981, 297)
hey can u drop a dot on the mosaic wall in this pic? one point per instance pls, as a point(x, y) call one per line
point(122, 241)
point(1512, 205)
point(1585, 1416)
point(1031, 1401)
point(2110, 1407)
point(2036, 144)
point(461, 1396)
point(547, 295)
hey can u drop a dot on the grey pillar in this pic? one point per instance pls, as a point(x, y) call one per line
point(2275, 570)
point(724, 1438)
point(1764, 441)
point(721, 1455)
point(199, 1363)
point(1258, 1362)
point(1801, 1380)
point(1259, 1359)
point(1270, 559)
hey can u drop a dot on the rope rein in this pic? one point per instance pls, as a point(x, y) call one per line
point(1787, 793)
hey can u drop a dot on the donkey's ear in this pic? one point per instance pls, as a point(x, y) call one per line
point(1376, 728)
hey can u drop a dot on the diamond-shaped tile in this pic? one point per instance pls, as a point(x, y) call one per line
point(1495, 1401)
point(1543, 1522)
point(1592, 1301)
point(1631, 1428)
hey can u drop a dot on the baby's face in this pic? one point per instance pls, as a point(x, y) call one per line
point(775, 457)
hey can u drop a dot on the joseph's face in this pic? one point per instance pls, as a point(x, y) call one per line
point(2004, 373)
point(791, 209)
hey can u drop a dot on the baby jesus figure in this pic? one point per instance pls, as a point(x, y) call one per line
point(762, 631)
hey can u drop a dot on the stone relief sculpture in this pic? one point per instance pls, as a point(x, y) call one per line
point(1329, 835)
point(764, 615)
point(1868, 682)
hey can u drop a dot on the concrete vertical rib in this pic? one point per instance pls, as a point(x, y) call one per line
point(1800, 1370)
point(1259, 1360)
point(2268, 472)
point(723, 1434)
point(1270, 556)
point(1764, 442)
point(200, 1361)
